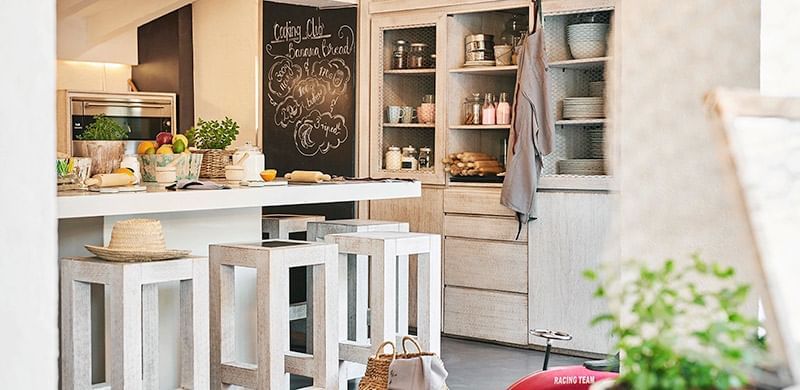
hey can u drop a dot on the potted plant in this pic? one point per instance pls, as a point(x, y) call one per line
point(211, 138)
point(103, 142)
point(680, 327)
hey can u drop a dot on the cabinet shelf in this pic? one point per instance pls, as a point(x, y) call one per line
point(412, 72)
point(411, 125)
point(480, 127)
point(583, 63)
point(580, 122)
point(503, 70)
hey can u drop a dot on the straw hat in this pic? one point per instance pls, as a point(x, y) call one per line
point(136, 240)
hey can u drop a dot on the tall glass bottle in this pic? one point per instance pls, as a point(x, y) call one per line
point(488, 114)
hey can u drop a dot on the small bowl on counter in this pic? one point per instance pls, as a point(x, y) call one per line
point(166, 175)
point(187, 165)
point(234, 173)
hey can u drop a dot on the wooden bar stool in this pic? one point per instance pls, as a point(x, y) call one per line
point(353, 282)
point(272, 260)
point(132, 352)
point(279, 226)
point(383, 249)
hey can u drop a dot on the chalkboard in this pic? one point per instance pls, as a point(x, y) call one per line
point(309, 88)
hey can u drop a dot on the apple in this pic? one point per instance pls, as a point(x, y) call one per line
point(164, 137)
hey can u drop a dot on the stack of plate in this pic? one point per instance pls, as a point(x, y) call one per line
point(595, 142)
point(583, 108)
point(579, 166)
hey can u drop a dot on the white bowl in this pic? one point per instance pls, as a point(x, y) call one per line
point(587, 49)
point(165, 175)
point(234, 172)
point(587, 32)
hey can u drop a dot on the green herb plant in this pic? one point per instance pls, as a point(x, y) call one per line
point(213, 134)
point(680, 327)
point(104, 129)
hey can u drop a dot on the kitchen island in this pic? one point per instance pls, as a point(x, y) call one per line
point(192, 220)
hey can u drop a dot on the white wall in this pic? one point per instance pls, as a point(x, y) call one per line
point(28, 264)
point(226, 63)
point(780, 57)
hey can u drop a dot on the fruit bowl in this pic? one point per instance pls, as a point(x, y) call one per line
point(187, 168)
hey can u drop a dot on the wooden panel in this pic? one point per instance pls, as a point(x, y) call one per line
point(423, 214)
point(568, 238)
point(486, 228)
point(487, 315)
point(482, 201)
point(489, 265)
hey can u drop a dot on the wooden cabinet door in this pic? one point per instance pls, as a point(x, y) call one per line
point(569, 236)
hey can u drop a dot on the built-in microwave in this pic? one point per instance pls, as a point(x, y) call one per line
point(144, 113)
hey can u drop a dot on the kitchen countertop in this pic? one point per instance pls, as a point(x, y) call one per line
point(78, 204)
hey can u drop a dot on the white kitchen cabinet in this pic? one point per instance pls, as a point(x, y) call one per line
point(568, 237)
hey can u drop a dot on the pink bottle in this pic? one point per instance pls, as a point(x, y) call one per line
point(489, 111)
point(503, 110)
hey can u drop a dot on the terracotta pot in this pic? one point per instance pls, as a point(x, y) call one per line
point(106, 155)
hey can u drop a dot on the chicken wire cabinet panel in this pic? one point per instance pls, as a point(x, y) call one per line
point(399, 89)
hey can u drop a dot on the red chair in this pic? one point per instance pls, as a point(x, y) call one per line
point(560, 378)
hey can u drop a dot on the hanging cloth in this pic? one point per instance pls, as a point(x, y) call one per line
point(532, 127)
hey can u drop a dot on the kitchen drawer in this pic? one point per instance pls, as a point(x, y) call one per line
point(489, 265)
point(486, 315)
point(480, 201)
point(486, 228)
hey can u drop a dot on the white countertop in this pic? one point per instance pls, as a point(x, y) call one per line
point(77, 204)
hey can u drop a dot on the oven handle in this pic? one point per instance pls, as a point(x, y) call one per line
point(125, 105)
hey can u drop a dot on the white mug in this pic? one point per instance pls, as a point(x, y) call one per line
point(394, 113)
point(409, 114)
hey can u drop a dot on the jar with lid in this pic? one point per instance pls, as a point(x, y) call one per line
point(472, 109)
point(400, 55)
point(425, 158)
point(432, 60)
point(409, 160)
point(418, 57)
point(393, 158)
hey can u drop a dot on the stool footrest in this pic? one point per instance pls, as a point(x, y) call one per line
point(352, 351)
point(298, 363)
point(240, 374)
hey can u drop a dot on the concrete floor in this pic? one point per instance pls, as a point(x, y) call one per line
point(474, 365)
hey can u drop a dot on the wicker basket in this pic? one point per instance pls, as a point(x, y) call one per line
point(376, 376)
point(214, 162)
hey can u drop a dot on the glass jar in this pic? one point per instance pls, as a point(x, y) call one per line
point(503, 110)
point(425, 158)
point(393, 158)
point(488, 115)
point(400, 55)
point(418, 57)
point(433, 61)
point(409, 161)
point(472, 109)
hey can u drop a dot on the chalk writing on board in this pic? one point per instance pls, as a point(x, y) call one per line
point(307, 78)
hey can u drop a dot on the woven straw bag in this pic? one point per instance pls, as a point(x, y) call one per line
point(377, 375)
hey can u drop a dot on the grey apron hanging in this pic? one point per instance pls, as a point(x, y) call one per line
point(531, 135)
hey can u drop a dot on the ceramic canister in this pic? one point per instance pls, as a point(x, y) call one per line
point(253, 164)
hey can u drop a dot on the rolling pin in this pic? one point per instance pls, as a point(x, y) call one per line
point(307, 177)
point(110, 180)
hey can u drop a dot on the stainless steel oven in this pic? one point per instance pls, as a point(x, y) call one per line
point(145, 113)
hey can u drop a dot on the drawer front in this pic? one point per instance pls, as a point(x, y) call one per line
point(489, 265)
point(485, 228)
point(479, 201)
point(486, 315)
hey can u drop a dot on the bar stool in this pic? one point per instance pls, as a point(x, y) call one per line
point(279, 226)
point(383, 249)
point(354, 291)
point(132, 355)
point(272, 260)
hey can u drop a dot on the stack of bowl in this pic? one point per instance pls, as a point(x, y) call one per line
point(587, 40)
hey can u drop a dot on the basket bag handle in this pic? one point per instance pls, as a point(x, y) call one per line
point(411, 339)
point(383, 345)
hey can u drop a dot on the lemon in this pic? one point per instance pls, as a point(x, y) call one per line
point(164, 149)
point(268, 174)
point(144, 146)
point(126, 171)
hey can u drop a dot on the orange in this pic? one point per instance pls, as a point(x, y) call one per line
point(268, 174)
point(144, 145)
